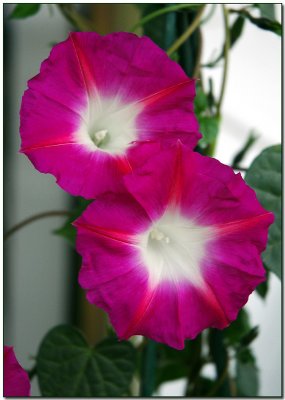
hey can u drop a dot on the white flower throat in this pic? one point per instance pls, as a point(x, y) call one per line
point(174, 248)
point(108, 125)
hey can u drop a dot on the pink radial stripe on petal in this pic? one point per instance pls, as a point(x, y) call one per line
point(180, 253)
point(111, 272)
point(16, 380)
point(98, 98)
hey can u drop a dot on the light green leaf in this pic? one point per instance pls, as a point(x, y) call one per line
point(264, 176)
point(209, 127)
point(25, 10)
point(246, 374)
point(68, 367)
point(201, 101)
point(267, 10)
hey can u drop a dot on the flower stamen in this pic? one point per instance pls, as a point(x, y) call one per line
point(156, 234)
point(99, 136)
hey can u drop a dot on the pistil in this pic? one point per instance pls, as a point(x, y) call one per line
point(99, 136)
point(156, 234)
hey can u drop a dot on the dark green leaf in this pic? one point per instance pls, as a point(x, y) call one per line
point(262, 289)
point(249, 337)
point(67, 230)
point(236, 30)
point(190, 50)
point(263, 23)
point(155, 29)
point(174, 364)
point(248, 144)
point(25, 10)
point(238, 328)
point(68, 367)
point(267, 10)
point(203, 386)
point(264, 176)
point(211, 97)
point(246, 374)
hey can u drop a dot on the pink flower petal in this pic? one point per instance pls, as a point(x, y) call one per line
point(95, 99)
point(180, 256)
point(16, 379)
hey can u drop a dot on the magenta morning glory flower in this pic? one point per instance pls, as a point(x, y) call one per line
point(94, 98)
point(177, 254)
point(16, 380)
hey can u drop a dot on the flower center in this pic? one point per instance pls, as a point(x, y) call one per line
point(173, 249)
point(109, 125)
point(156, 234)
point(99, 137)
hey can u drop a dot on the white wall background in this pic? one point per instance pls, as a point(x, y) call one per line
point(38, 270)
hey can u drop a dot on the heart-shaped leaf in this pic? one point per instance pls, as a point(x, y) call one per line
point(246, 374)
point(264, 176)
point(68, 367)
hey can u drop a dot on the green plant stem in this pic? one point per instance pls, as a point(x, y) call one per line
point(226, 58)
point(239, 168)
point(196, 362)
point(219, 382)
point(185, 35)
point(158, 13)
point(219, 353)
point(197, 69)
point(210, 14)
point(148, 368)
point(74, 17)
point(34, 218)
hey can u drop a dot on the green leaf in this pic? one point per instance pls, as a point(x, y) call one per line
point(203, 386)
point(174, 364)
point(266, 10)
point(67, 230)
point(242, 153)
point(249, 337)
point(25, 10)
point(235, 32)
point(209, 127)
point(201, 101)
point(155, 29)
point(264, 176)
point(262, 289)
point(208, 124)
point(263, 23)
point(238, 328)
point(246, 374)
point(68, 367)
